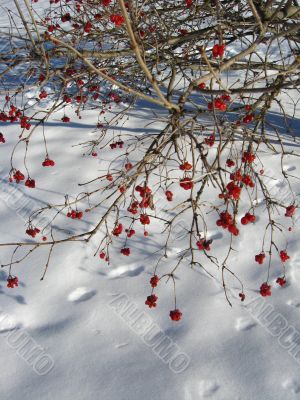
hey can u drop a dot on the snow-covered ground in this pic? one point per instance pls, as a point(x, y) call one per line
point(84, 332)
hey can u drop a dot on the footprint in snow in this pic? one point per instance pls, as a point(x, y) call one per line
point(201, 390)
point(292, 385)
point(8, 323)
point(295, 272)
point(81, 294)
point(125, 270)
point(119, 346)
point(244, 324)
point(214, 235)
point(280, 183)
point(293, 303)
point(289, 168)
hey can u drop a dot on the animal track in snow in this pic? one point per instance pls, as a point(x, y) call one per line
point(81, 294)
point(244, 324)
point(125, 270)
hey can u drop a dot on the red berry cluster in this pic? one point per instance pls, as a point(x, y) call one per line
point(186, 166)
point(154, 281)
point(175, 315)
point(66, 17)
point(186, 183)
point(151, 301)
point(218, 103)
point(2, 139)
point(119, 144)
point(103, 256)
point(284, 256)
point(169, 195)
point(130, 232)
point(30, 183)
point(290, 211)
point(265, 289)
point(133, 208)
point(88, 27)
point(145, 193)
point(128, 166)
point(118, 230)
point(12, 281)
point(226, 222)
point(12, 116)
point(125, 251)
point(24, 123)
point(74, 214)
point(32, 231)
point(281, 281)
point(210, 141)
point(233, 191)
point(230, 163)
point(117, 19)
point(218, 50)
point(248, 218)
point(48, 163)
point(248, 118)
point(259, 258)
point(242, 296)
point(248, 157)
point(43, 95)
point(247, 180)
point(144, 219)
point(17, 176)
point(203, 244)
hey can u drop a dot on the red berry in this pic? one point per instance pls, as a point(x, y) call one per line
point(169, 195)
point(175, 315)
point(30, 183)
point(290, 211)
point(154, 281)
point(284, 256)
point(125, 251)
point(88, 27)
point(259, 258)
point(265, 289)
point(281, 281)
point(151, 301)
point(186, 183)
point(230, 163)
point(186, 166)
point(242, 296)
point(12, 281)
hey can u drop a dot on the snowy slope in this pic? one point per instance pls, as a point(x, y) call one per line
point(86, 324)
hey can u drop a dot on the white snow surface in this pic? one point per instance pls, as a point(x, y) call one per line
point(74, 313)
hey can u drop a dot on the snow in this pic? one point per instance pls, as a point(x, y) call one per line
point(89, 321)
